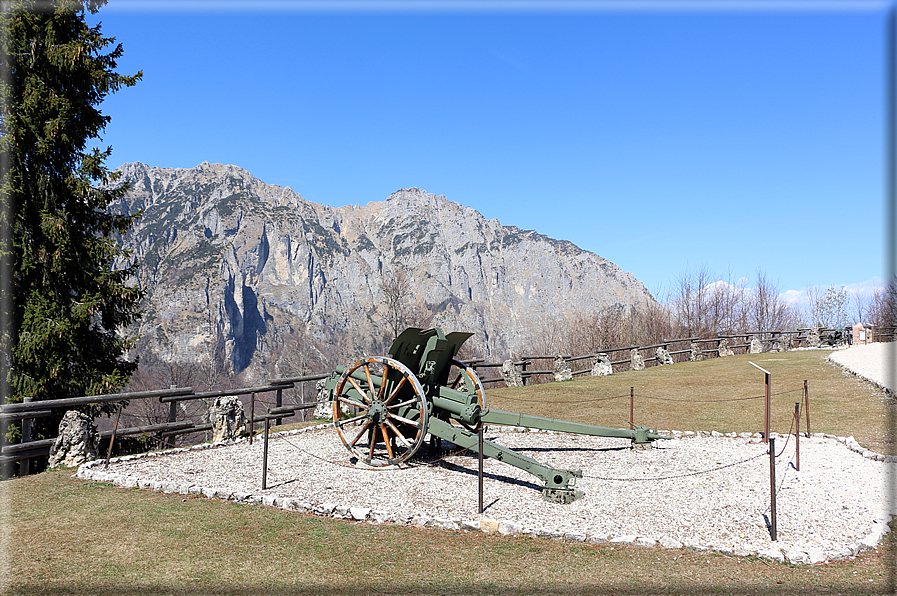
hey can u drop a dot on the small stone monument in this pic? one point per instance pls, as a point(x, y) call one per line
point(511, 374)
point(324, 409)
point(696, 354)
point(77, 441)
point(663, 356)
point(228, 421)
point(602, 366)
point(756, 346)
point(562, 371)
point(636, 362)
point(723, 348)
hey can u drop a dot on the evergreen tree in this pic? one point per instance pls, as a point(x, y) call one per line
point(67, 288)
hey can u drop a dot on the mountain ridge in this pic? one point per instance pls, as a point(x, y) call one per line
point(236, 266)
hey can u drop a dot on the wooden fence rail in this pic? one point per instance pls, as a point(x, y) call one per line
point(28, 410)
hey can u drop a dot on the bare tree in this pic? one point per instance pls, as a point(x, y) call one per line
point(860, 307)
point(882, 311)
point(400, 308)
point(766, 309)
point(690, 303)
point(594, 332)
point(397, 301)
point(830, 309)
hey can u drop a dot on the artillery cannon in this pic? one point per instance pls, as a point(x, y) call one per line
point(384, 406)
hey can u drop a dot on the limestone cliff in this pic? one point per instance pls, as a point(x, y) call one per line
point(234, 264)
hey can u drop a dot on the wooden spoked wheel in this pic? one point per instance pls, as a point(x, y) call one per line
point(379, 411)
point(472, 384)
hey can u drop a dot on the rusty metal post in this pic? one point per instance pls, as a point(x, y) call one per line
point(768, 402)
point(807, 406)
point(632, 406)
point(112, 438)
point(797, 435)
point(265, 453)
point(772, 489)
point(480, 502)
point(251, 417)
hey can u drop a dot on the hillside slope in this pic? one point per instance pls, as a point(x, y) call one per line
point(233, 266)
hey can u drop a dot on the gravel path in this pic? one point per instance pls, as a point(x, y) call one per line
point(700, 492)
point(876, 362)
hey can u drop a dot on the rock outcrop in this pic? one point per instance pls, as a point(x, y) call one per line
point(636, 362)
point(228, 419)
point(602, 366)
point(236, 267)
point(77, 441)
point(723, 349)
point(696, 354)
point(562, 370)
point(511, 374)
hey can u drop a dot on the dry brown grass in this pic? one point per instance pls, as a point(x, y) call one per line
point(68, 536)
point(840, 404)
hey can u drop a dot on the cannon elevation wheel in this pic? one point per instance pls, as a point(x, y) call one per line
point(380, 411)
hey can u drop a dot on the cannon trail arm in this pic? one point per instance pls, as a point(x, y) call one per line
point(558, 482)
point(639, 434)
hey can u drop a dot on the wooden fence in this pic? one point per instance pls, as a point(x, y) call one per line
point(28, 410)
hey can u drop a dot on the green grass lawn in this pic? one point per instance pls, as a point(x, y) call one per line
point(62, 535)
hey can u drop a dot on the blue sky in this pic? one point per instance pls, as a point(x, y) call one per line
point(663, 136)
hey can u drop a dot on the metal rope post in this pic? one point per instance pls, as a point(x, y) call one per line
point(772, 489)
point(480, 506)
point(797, 435)
point(265, 452)
point(768, 402)
point(807, 406)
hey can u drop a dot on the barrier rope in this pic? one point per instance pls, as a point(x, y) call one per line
point(563, 401)
point(699, 473)
point(698, 401)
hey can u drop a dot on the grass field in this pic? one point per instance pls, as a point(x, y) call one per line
point(62, 535)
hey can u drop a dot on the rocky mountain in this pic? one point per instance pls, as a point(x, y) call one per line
point(243, 269)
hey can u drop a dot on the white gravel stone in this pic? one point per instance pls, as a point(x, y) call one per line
point(797, 557)
point(772, 553)
point(575, 536)
point(645, 541)
point(507, 528)
point(696, 491)
point(470, 524)
point(668, 542)
point(816, 555)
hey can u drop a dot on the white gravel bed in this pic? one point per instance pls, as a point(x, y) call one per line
point(875, 362)
point(681, 493)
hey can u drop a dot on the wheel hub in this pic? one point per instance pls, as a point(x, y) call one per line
point(377, 412)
